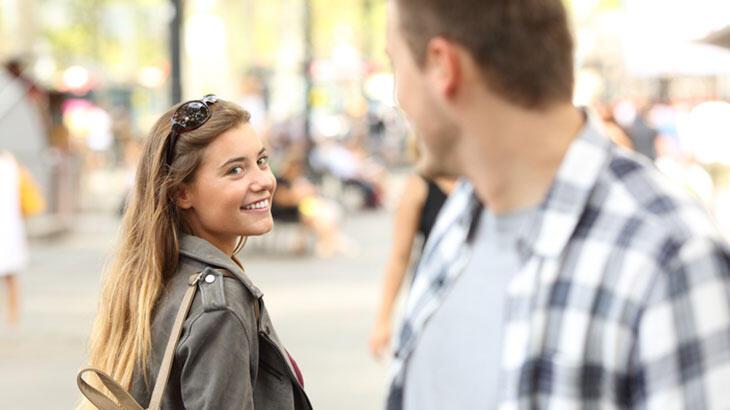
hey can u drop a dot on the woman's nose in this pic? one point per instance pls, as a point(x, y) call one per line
point(263, 181)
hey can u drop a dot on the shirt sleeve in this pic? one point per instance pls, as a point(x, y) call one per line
point(216, 359)
point(682, 359)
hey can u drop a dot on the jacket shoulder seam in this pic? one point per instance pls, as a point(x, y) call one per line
point(190, 326)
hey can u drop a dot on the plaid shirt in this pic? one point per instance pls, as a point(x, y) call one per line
point(622, 300)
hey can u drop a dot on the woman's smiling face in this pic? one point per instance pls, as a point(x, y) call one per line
point(230, 195)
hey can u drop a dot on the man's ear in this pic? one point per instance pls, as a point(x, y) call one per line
point(184, 197)
point(443, 65)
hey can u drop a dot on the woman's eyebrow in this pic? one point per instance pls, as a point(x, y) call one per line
point(233, 160)
point(241, 159)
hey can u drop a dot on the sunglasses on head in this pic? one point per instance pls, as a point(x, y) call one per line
point(189, 116)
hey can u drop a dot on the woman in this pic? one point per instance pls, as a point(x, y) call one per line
point(415, 215)
point(13, 246)
point(203, 184)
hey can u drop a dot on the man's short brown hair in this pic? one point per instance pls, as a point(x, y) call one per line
point(524, 47)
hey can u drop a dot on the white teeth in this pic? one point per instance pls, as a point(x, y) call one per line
point(258, 205)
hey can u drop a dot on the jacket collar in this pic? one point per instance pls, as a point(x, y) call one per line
point(558, 216)
point(203, 251)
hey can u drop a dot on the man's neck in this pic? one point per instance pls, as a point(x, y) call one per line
point(512, 155)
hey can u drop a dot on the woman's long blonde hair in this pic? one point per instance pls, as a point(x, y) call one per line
point(148, 250)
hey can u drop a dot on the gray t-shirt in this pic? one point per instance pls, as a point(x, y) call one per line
point(457, 360)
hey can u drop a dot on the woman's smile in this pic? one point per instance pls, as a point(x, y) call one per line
point(262, 205)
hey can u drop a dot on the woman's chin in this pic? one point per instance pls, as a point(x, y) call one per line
point(259, 229)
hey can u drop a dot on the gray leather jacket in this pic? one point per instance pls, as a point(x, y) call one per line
point(224, 359)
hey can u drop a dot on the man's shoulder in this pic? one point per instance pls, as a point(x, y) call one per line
point(632, 190)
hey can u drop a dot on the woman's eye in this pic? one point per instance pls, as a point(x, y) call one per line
point(236, 171)
point(263, 161)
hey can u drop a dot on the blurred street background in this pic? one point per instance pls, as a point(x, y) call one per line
point(82, 81)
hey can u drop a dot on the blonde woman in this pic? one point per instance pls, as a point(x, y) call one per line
point(203, 184)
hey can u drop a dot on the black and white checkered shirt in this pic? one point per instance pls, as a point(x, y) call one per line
point(622, 300)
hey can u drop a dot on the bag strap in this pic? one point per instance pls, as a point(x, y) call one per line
point(98, 399)
point(164, 373)
point(126, 401)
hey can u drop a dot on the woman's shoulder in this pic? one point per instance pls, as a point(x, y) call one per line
point(217, 290)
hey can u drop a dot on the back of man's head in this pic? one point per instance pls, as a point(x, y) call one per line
point(524, 48)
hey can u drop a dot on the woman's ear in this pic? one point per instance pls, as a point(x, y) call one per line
point(184, 197)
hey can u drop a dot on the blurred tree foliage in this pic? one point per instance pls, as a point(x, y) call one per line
point(260, 29)
point(123, 35)
point(120, 35)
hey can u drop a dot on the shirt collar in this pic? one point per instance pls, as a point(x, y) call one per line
point(203, 251)
point(558, 215)
point(458, 209)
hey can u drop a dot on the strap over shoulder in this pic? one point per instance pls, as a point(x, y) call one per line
point(206, 280)
point(126, 402)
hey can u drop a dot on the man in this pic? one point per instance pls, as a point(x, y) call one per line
point(566, 273)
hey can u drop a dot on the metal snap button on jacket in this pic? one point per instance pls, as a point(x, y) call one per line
point(210, 278)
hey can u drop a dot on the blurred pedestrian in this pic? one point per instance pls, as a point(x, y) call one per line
point(298, 200)
point(254, 101)
point(611, 127)
point(562, 272)
point(350, 165)
point(415, 214)
point(36, 94)
point(13, 246)
point(203, 185)
point(643, 135)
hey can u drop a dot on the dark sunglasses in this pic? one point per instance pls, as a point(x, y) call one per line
point(189, 116)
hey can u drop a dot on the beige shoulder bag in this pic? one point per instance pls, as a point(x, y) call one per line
point(126, 401)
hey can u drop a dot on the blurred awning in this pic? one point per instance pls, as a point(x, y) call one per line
point(719, 38)
point(666, 38)
point(647, 58)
